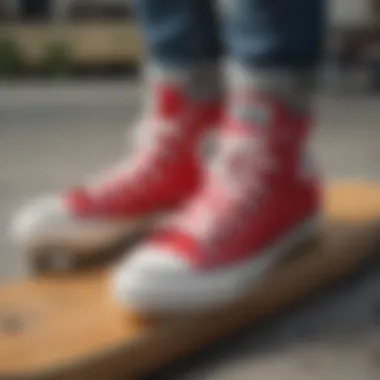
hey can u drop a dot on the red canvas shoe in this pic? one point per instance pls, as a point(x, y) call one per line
point(157, 177)
point(260, 199)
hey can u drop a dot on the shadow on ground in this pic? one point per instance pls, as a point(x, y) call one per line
point(340, 318)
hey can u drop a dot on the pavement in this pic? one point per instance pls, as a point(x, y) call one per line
point(53, 134)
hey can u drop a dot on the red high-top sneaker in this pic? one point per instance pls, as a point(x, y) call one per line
point(260, 200)
point(159, 175)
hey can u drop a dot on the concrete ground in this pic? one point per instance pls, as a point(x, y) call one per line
point(51, 135)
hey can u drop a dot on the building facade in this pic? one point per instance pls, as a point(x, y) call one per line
point(342, 12)
point(47, 10)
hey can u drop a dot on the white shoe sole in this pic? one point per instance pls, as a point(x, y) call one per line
point(66, 248)
point(196, 291)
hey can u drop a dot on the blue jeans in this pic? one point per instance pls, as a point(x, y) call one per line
point(253, 33)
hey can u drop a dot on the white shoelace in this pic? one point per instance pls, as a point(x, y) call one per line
point(232, 194)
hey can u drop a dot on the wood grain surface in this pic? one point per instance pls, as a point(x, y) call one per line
point(67, 327)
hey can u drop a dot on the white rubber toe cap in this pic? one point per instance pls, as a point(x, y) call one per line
point(154, 280)
point(38, 220)
point(46, 222)
point(146, 279)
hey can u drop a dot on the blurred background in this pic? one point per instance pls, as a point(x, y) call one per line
point(67, 37)
point(99, 37)
point(69, 91)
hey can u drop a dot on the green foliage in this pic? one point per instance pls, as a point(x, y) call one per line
point(57, 59)
point(11, 58)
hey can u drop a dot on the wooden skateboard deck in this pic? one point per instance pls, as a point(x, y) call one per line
point(67, 327)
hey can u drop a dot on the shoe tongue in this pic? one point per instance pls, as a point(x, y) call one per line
point(233, 162)
point(250, 121)
point(243, 141)
point(165, 101)
point(250, 114)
